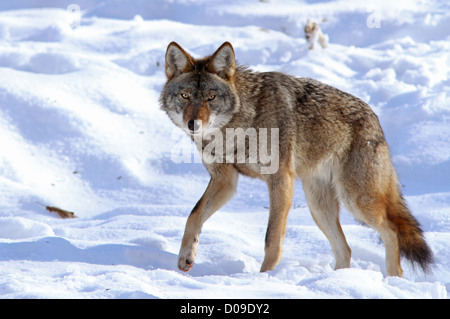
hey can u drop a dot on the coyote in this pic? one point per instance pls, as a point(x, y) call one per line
point(329, 139)
point(313, 33)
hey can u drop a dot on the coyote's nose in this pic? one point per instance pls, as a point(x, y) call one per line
point(193, 125)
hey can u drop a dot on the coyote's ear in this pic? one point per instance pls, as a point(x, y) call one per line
point(222, 62)
point(177, 60)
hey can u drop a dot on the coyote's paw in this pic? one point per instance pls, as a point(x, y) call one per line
point(185, 264)
point(186, 260)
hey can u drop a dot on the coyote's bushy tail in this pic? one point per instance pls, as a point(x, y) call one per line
point(411, 241)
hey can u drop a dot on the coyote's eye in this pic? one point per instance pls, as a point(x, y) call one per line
point(211, 97)
point(185, 95)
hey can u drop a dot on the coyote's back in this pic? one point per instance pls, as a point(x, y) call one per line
point(330, 139)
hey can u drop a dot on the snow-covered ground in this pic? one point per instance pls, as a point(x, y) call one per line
point(81, 129)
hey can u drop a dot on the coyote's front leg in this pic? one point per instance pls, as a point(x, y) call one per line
point(221, 188)
point(281, 187)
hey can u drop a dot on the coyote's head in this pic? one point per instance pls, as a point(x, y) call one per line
point(199, 93)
